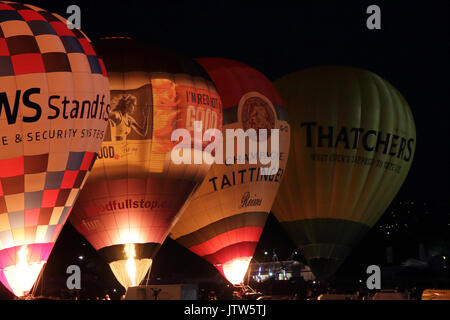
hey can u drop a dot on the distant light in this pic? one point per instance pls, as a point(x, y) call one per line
point(314, 282)
point(114, 290)
point(360, 281)
point(80, 257)
point(444, 257)
point(266, 253)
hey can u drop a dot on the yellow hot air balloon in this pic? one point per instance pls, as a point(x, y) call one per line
point(353, 141)
point(54, 103)
point(136, 191)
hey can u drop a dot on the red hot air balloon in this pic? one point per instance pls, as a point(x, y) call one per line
point(54, 103)
point(225, 217)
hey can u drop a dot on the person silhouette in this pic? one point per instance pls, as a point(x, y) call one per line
point(156, 293)
point(274, 256)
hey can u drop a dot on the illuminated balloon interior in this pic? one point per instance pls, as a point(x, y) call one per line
point(22, 276)
point(132, 270)
point(235, 270)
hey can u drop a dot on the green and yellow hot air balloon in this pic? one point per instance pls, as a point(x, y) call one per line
point(353, 140)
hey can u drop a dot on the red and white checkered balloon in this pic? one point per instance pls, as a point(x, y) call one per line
point(54, 105)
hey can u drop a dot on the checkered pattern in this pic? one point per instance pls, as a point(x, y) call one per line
point(37, 191)
point(34, 202)
point(41, 180)
point(33, 40)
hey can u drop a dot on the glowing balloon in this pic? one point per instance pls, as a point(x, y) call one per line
point(353, 141)
point(54, 103)
point(225, 218)
point(136, 190)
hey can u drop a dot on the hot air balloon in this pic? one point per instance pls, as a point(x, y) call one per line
point(224, 219)
point(353, 141)
point(135, 192)
point(54, 102)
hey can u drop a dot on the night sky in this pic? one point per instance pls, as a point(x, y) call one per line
point(279, 37)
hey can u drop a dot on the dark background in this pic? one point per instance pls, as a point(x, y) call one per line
point(279, 37)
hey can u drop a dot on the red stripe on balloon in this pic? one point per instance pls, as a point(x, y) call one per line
point(245, 234)
point(235, 251)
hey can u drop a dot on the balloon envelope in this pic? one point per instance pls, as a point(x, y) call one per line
point(225, 217)
point(136, 190)
point(353, 141)
point(54, 102)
